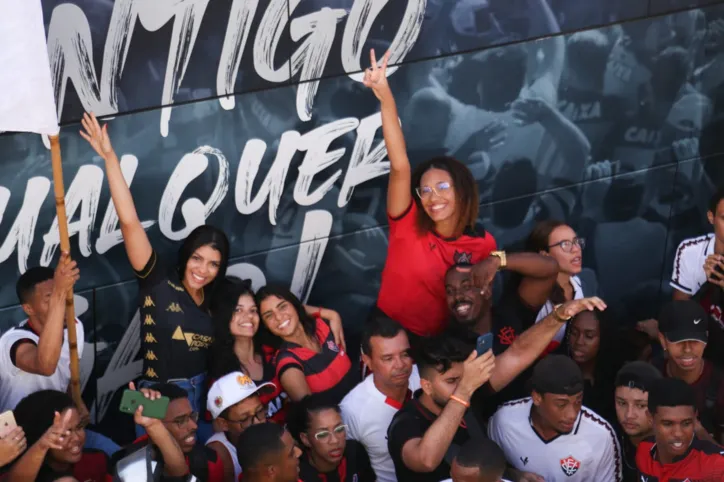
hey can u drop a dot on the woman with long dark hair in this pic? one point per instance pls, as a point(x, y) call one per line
point(176, 327)
point(240, 344)
point(559, 241)
point(308, 360)
point(432, 212)
point(591, 340)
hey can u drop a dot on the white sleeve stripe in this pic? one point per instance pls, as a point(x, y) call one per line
point(681, 288)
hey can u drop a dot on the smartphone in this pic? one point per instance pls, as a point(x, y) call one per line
point(7, 422)
point(151, 408)
point(484, 344)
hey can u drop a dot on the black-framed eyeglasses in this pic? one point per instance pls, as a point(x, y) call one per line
point(425, 192)
point(259, 416)
point(325, 435)
point(568, 244)
point(183, 420)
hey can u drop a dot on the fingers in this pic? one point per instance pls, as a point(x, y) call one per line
point(385, 60)
point(373, 59)
point(131, 386)
point(472, 356)
point(150, 394)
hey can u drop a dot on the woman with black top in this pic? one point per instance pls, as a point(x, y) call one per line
point(308, 360)
point(176, 327)
point(591, 344)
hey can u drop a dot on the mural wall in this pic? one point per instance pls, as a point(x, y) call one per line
point(250, 115)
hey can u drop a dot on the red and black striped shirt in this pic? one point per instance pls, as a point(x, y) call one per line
point(354, 467)
point(703, 462)
point(328, 372)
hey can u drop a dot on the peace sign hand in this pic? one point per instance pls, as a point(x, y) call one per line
point(96, 135)
point(57, 436)
point(376, 76)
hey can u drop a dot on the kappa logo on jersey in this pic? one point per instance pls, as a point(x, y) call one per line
point(570, 466)
point(151, 373)
point(150, 338)
point(151, 356)
point(332, 346)
point(174, 308)
point(148, 302)
point(463, 258)
point(148, 321)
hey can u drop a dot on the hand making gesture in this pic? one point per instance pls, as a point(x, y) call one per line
point(376, 76)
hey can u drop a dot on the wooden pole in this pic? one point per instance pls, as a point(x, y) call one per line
point(59, 189)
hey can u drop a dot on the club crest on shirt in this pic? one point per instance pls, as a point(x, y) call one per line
point(463, 258)
point(570, 466)
point(332, 346)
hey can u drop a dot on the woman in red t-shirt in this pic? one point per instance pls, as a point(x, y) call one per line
point(432, 212)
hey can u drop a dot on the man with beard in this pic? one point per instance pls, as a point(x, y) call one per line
point(473, 315)
point(674, 452)
point(427, 431)
point(552, 432)
point(181, 422)
point(369, 408)
point(633, 382)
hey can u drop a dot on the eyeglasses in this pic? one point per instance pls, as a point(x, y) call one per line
point(425, 192)
point(325, 435)
point(259, 416)
point(183, 420)
point(568, 244)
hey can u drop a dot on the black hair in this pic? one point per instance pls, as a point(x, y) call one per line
point(26, 283)
point(223, 360)
point(715, 199)
point(465, 188)
point(608, 360)
point(439, 354)
point(381, 326)
point(36, 412)
point(671, 392)
point(539, 240)
point(204, 235)
point(257, 443)
point(484, 454)
point(299, 418)
point(637, 374)
point(308, 322)
point(173, 392)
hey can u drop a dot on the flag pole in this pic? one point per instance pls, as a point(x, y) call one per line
point(59, 189)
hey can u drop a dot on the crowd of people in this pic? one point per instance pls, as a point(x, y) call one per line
point(261, 387)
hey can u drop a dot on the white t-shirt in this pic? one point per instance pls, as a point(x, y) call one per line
point(221, 438)
point(688, 274)
point(367, 414)
point(16, 384)
point(590, 453)
point(548, 307)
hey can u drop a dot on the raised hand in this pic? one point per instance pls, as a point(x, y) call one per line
point(483, 273)
point(12, 445)
point(376, 76)
point(96, 135)
point(138, 417)
point(66, 273)
point(572, 308)
point(476, 373)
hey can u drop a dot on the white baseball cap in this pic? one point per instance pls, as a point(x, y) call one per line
point(232, 389)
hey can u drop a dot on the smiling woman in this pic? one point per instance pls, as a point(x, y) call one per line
point(308, 360)
point(176, 328)
point(433, 213)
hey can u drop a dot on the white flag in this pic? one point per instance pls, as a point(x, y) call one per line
point(27, 101)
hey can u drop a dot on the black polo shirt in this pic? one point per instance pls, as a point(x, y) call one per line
point(176, 333)
point(354, 467)
point(411, 422)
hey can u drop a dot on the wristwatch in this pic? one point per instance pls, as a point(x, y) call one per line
point(558, 316)
point(501, 256)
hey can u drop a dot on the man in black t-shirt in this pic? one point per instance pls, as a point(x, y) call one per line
point(328, 457)
point(426, 433)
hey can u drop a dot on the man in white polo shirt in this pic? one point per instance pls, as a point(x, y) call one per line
point(551, 434)
point(368, 409)
point(235, 405)
point(34, 355)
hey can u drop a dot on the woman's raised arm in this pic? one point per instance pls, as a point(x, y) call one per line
point(138, 247)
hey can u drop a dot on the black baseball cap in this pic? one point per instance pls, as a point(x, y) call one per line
point(637, 374)
point(684, 320)
point(557, 374)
